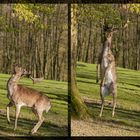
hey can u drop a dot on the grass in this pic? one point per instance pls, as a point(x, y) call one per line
point(128, 100)
point(56, 120)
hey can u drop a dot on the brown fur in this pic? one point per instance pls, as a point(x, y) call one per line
point(25, 94)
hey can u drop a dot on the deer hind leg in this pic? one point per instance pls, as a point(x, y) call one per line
point(114, 106)
point(39, 114)
point(102, 88)
point(102, 107)
point(7, 110)
point(114, 94)
point(18, 107)
point(103, 92)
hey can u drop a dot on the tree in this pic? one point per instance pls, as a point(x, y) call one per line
point(78, 108)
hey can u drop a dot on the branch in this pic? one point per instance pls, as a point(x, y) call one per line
point(36, 80)
point(122, 28)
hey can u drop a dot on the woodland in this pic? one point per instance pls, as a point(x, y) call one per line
point(34, 36)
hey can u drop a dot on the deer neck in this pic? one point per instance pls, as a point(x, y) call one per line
point(107, 46)
point(106, 49)
point(12, 84)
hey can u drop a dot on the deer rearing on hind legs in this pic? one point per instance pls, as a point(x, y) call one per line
point(108, 72)
point(108, 69)
point(20, 95)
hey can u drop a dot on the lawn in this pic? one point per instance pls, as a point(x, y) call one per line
point(56, 120)
point(128, 100)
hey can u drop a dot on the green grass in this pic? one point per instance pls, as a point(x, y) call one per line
point(56, 120)
point(128, 100)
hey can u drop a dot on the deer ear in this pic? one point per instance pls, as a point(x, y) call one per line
point(15, 69)
point(15, 65)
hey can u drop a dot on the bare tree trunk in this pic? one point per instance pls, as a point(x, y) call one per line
point(78, 108)
point(88, 46)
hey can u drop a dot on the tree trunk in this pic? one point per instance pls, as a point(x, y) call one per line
point(88, 46)
point(78, 108)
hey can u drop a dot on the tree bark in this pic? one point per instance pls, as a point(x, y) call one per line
point(78, 108)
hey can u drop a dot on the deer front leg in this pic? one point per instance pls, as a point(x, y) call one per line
point(17, 114)
point(7, 110)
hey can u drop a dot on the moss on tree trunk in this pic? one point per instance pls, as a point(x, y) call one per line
point(78, 108)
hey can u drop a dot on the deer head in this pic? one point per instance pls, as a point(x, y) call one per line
point(109, 30)
point(18, 70)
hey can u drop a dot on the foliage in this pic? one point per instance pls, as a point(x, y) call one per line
point(32, 13)
point(24, 12)
point(134, 8)
point(100, 14)
point(110, 14)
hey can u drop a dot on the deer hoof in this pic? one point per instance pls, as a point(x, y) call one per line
point(113, 114)
point(100, 115)
point(15, 129)
point(32, 131)
point(8, 122)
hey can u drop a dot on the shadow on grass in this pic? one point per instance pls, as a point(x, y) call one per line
point(87, 82)
point(136, 85)
point(59, 97)
point(81, 65)
point(25, 125)
point(122, 117)
point(131, 91)
point(87, 76)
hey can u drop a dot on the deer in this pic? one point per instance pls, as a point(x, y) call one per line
point(107, 67)
point(20, 95)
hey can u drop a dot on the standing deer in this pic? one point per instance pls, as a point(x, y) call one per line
point(107, 68)
point(108, 72)
point(20, 95)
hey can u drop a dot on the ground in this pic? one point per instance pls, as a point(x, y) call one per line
point(127, 117)
point(99, 128)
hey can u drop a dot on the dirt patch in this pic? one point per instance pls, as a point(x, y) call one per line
point(93, 128)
